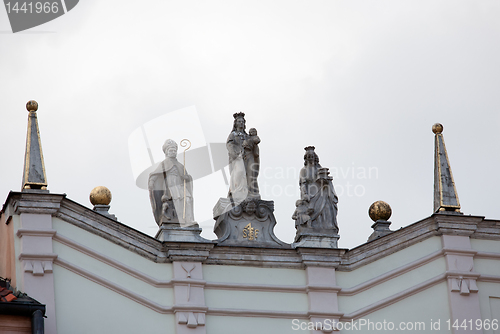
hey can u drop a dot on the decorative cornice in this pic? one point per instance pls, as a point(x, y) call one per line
point(35, 203)
point(489, 278)
point(35, 233)
point(189, 307)
point(459, 251)
point(257, 313)
point(327, 315)
point(211, 253)
point(321, 288)
point(321, 257)
point(38, 256)
point(456, 224)
point(112, 230)
point(258, 257)
point(256, 287)
point(38, 264)
point(188, 281)
point(188, 251)
point(464, 274)
point(488, 229)
point(487, 255)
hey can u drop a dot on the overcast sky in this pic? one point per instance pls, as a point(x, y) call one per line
point(363, 81)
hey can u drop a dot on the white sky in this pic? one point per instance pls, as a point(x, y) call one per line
point(363, 81)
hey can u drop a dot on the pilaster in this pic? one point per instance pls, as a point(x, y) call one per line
point(189, 295)
point(36, 258)
point(322, 294)
point(461, 277)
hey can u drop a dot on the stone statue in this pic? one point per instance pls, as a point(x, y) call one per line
point(244, 162)
point(252, 162)
point(300, 215)
point(170, 186)
point(243, 218)
point(317, 208)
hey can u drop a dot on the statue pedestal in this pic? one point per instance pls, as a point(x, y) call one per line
point(315, 238)
point(381, 228)
point(174, 232)
point(249, 224)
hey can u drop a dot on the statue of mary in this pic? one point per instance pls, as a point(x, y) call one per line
point(243, 161)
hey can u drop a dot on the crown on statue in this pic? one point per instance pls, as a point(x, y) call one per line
point(309, 148)
point(238, 114)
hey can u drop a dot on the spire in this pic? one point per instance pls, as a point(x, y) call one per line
point(34, 169)
point(445, 193)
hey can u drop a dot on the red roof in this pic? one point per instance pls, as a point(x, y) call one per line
point(6, 295)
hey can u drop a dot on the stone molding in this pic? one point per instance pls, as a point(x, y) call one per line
point(268, 314)
point(37, 264)
point(211, 253)
point(189, 296)
point(487, 255)
point(36, 233)
point(487, 229)
point(488, 278)
point(462, 288)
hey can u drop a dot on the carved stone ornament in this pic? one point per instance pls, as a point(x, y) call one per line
point(243, 218)
point(171, 194)
point(244, 161)
point(251, 223)
point(316, 213)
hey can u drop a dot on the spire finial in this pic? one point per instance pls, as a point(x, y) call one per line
point(445, 193)
point(34, 169)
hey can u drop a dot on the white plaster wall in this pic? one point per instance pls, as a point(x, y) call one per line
point(495, 311)
point(249, 325)
point(252, 275)
point(411, 309)
point(485, 245)
point(487, 266)
point(162, 296)
point(390, 287)
point(85, 307)
point(349, 279)
point(256, 300)
point(160, 271)
point(489, 302)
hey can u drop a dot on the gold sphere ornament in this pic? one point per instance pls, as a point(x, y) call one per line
point(100, 196)
point(32, 105)
point(380, 210)
point(437, 128)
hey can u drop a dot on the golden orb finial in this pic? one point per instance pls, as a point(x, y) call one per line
point(437, 128)
point(32, 105)
point(100, 196)
point(380, 210)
